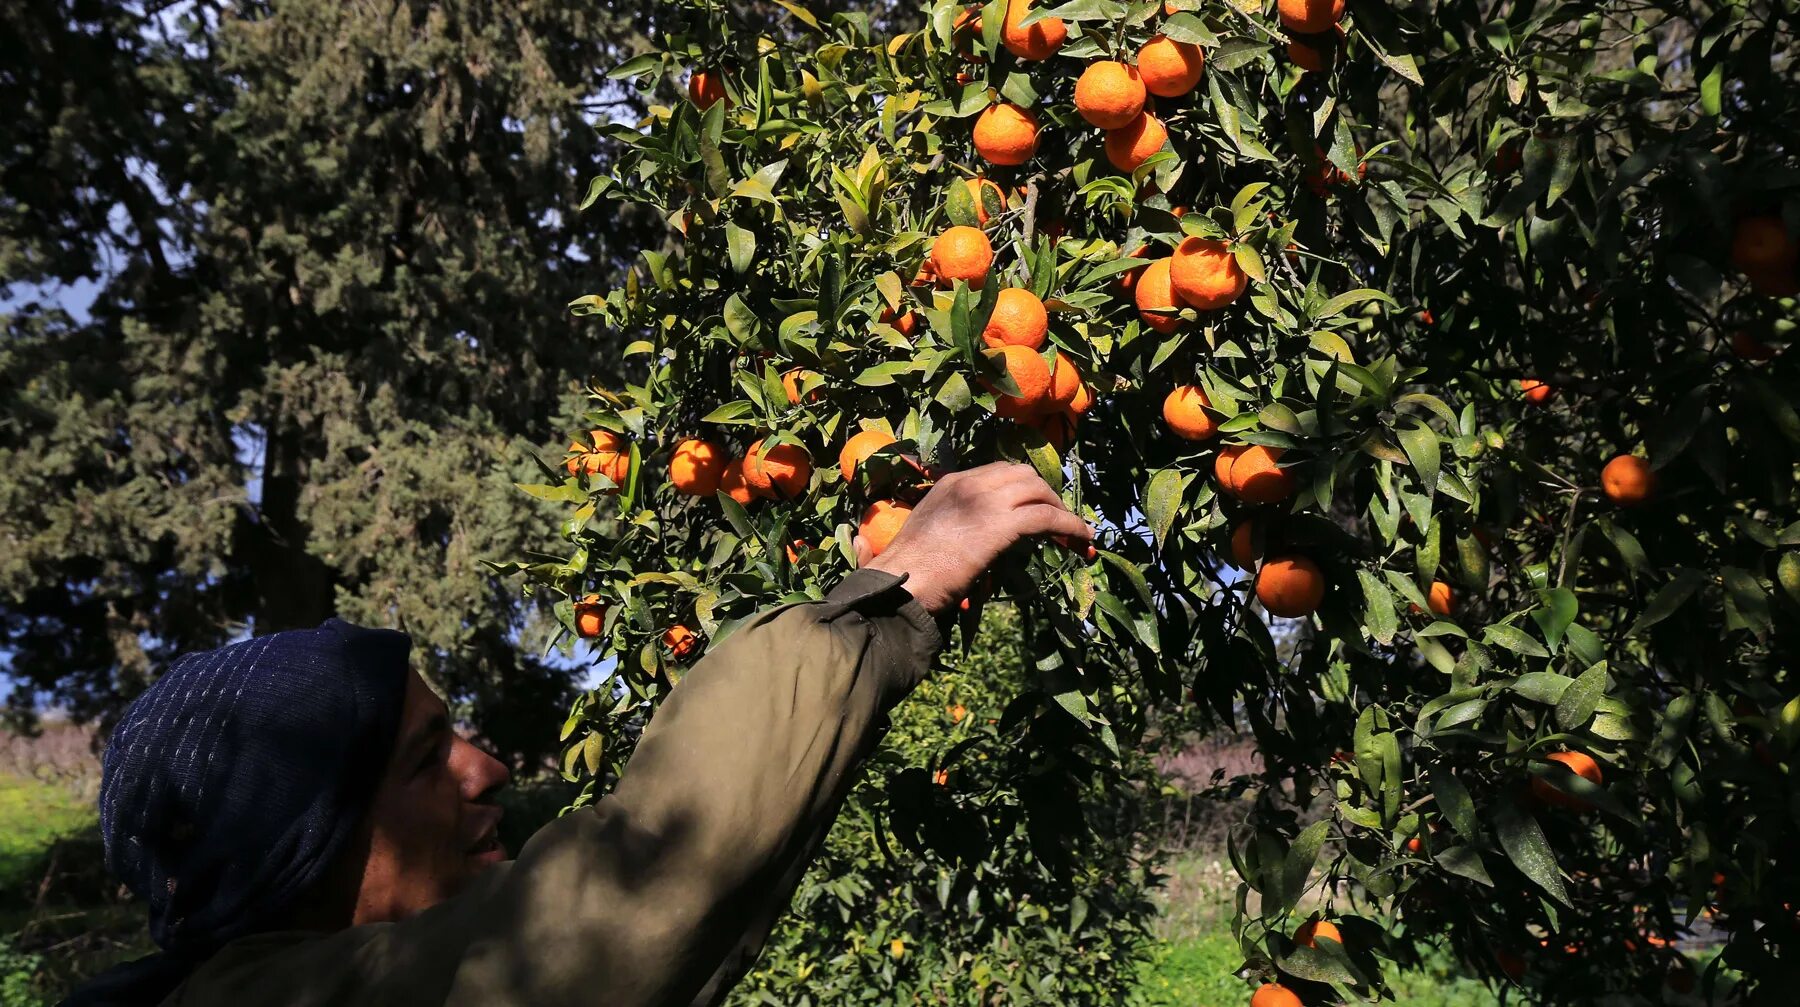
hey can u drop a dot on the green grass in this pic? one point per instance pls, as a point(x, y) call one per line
point(32, 816)
point(1197, 972)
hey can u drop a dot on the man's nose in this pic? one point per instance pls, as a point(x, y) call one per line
point(479, 773)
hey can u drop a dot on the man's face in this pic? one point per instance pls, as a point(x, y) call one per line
point(431, 827)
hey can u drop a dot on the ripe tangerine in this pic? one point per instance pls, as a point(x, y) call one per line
point(1290, 586)
point(1018, 319)
point(1627, 480)
point(881, 521)
point(1109, 94)
point(696, 467)
point(1006, 134)
point(1170, 69)
point(1185, 411)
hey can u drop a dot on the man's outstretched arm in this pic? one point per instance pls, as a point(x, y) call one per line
point(661, 893)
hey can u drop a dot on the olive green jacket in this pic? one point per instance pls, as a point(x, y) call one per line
point(663, 892)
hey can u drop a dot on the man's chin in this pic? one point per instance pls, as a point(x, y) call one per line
point(488, 857)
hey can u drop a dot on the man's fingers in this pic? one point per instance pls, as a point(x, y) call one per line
point(864, 554)
point(1053, 521)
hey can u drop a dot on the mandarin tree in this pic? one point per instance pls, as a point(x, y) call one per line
point(1344, 332)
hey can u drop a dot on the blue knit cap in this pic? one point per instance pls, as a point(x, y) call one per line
point(233, 781)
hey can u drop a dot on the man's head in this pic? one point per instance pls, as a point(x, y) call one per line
point(306, 778)
point(430, 828)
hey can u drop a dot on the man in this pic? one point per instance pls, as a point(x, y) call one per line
point(308, 830)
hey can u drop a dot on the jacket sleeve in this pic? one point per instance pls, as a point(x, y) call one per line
point(656, 891)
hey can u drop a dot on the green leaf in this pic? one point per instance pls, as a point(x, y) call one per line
point(1420, 443)
point(742, 247)
point(1546, 687)
point(1668, 599)
point(1378, 608)
point(1576, 705)
point(1746, 603)
point(1162, 501)
point(599, 185)
point(800, 13)
point(736, 411)
point(1301, 857)
point(761, 186)
point(1454, 802)
point(1464, 861)
point(1350, 299)
point(1187, 27)
point(1513, 639)
point(1524, 843)
point(1556, 615)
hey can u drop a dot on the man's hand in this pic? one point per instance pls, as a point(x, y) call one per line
point(964, 524)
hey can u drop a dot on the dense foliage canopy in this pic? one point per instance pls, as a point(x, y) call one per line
point(1363, 316)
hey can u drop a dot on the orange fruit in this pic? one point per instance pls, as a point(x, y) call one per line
point(1748, 347)
point(607, 442)
point(881, 521)
point(1184, 410)
point(611, 458)
point(1579, 763)
point(1760, 242)
point(1031, 374)
point(1109, 94)
point(858, 449)
point(1244, 551)
point(1083, 400)
point(780, 472)
point(1290, 586)
point(1415, 845)
point(1170, 69)
point(926, 276)
point(1133, 143)
point(696, 466)
point(590, 616)
point(1006, 134)
point(1441, 599)
point(791, 382)
point(1065, 381)
point(1509, 157)
point(1018, 319)
point(1039, 41)
point(957, 712)
point(1536, 392)
point(1311, 57)
point(1057, 426)
point(732, 482)
point(1309, 933)
point(1511, 965)
point(1310, 17)
point(706, 88)
point(1224, 463)
point(796, 549)
point(1274, 995)
point(986, 192)
point(1155, 297)
point(962, 253)
point(1256, 476)
point(681, 641)
point(1205, 274)
point(1627, 480)
point(906, 324)
point(1127, 281)
point(1324, 173)
point(965, 30)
